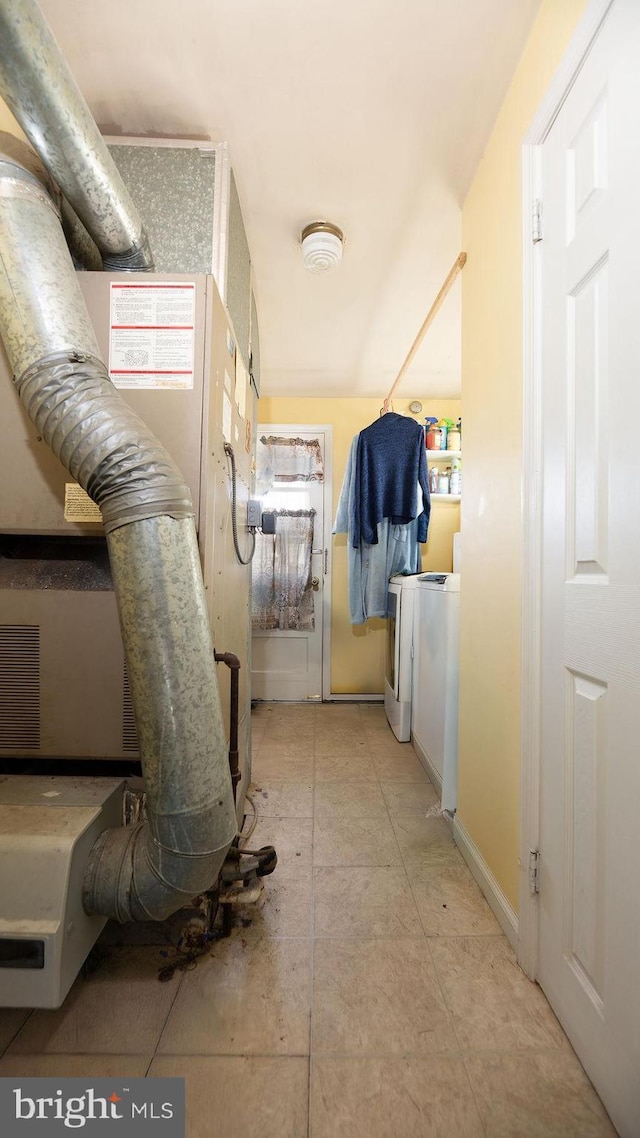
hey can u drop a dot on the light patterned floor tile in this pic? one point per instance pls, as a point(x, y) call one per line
point(425, 842)
point(75, 1066)
point(301, 730)
point(375, 727)
point(277, 799)
point(392, 1098)
point(241, 1097)
point(284, 909)
point(287, 748)
point(338, 712)
point(493, 1003)
point(450, 903)
point(378, 997)
point(354, 841)
point(379, 733)
point(251, 996)
point(391, 1006)
point(362, 902)
point(258, 732)
point(279, 713)
point(340, 742)
point(410, 797)
point(291, 838)
point(273, 766)
point(121, 1001)
point(332, 768)
point(373, 708)
point(386, 746)
point(543, 1095)
point(358, 799)
point(398, 765)
point(11, 1020)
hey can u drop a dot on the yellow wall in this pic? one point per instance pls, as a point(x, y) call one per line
point(488, 798)
point(357, 651)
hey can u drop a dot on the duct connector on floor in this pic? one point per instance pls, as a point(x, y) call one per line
point(151, 870)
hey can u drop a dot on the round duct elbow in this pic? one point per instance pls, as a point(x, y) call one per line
point(321, 246)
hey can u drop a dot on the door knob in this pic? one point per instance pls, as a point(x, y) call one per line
point(315, 583)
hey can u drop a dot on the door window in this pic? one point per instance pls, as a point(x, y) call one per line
point(282, 574)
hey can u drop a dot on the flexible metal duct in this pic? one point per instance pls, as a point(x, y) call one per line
point(146, 872)
point(37, 85)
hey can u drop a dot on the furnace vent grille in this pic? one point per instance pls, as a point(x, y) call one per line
point(129, 732)
point(19, 687)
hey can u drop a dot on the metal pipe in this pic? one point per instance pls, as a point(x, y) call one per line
point(83, 249)
point(145, 872)
point(233, 663)
point(190, 805)
point(37, 85)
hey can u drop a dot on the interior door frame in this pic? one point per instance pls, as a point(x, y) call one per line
point(531, 658)
point(327, 523)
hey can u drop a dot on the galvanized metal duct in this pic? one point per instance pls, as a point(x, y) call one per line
point(37, 85)
point(146, 872)
point(83, 249)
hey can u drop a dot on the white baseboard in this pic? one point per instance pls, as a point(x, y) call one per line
point(503, 911)
point(355, 697)
point(434, 775)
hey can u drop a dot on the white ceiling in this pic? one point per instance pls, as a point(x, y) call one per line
point(372, 114)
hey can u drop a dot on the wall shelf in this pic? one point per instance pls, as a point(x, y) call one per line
point(440, 456)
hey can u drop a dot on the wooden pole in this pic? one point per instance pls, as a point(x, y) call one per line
point(458, 265)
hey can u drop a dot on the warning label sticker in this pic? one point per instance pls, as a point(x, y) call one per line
point(78, 506)
point(151, 342)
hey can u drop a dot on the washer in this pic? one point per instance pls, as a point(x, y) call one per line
point(398, 664)
point(434, 720)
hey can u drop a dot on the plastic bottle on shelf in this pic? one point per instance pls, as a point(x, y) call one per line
point(443, 482)
point(455, 481)
point(433, 480)
point(434, 436)
point(455, 437)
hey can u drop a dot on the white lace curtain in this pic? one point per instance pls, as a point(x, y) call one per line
point(288, 460)
point(282, 593)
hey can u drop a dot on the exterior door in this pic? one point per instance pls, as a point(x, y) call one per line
point(288, 654)
point(589, 947)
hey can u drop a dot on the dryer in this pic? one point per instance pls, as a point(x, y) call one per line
point(399, 658)
point(434, 720)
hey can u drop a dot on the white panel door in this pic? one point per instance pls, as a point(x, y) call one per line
point(589, 951)
point(287, 664)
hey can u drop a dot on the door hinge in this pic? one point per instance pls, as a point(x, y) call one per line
point(536, 222)
point(534, 871)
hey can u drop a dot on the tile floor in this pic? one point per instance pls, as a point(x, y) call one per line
point(371, 994)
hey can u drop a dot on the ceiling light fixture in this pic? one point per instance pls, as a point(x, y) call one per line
point(321, 246)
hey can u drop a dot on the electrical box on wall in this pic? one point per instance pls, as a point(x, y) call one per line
point(254, 512)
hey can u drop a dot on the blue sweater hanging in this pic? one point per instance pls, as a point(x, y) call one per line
point(391, 463)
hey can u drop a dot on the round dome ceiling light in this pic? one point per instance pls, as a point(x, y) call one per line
point(321, 246)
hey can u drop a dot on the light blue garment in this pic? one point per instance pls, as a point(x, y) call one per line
point(370, 566)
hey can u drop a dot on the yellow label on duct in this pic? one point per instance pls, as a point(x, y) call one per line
point(78, 506)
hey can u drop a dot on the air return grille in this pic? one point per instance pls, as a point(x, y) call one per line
point(19, 687)
point(129, 733)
